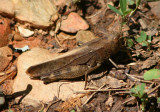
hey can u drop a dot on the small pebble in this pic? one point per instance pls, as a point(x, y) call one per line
point(25, 32)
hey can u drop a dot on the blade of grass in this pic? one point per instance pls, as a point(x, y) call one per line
point(115, 10)
point(137, 3)
point(127, 12)
point(123, 6)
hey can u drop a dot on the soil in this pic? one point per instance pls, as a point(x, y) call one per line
point(132, 62)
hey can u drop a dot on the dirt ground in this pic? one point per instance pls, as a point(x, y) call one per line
point(109, 85)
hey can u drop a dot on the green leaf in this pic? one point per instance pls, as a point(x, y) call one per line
point(130, 42)
point(158, 100)
point(138, 3)
point(123, 6)
point(115, 10)
point(72, 111)
point(144, 43)
point(138, 90)
point(143, 37)
point(152, 74)
point(130, 2)
point(127, 12)
point(142, 88)
point(149, 37)
point(10, 110)
point(41, 111)
point(139, 39)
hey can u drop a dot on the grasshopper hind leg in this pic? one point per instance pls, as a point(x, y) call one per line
point(90, 70)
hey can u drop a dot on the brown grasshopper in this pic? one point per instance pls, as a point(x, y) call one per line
point(77, 62)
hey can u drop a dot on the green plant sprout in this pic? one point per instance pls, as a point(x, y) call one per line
point(125, 12)
point(10, 110)
point(130, 2)
point(129, 43)
point(139, 90)
point(72, 111)
point(124, 9)
point(158, 100)
point(144, 39)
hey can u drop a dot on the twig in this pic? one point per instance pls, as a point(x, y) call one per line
point(60, 87)
point(58, 41)
point(58, 25)
point(122, 92)
point(42, 108)
point(150, 86)
point(50, 104)
point(101, 90)
point(13, 68)
point(149, 92)
point(144, 15)
point(11, 75)
point(133, 78)
point(128, 100)
point(133, 20)
point(113, 63)
point(93, 94)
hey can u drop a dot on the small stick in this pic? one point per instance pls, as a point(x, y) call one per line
point(58, 41)
point(93, 94)
point(58, 25)
point(11, 75)
point(13, 68)
point(133, 20)
point(128, 100)
point(60, 87)
point(133, 78)
point(113, 63)
point(149, 92)
point(150, 86)
point(101, 90)
point(122, 92)
point(50, 104)
point(42, 108)
point(144, 15)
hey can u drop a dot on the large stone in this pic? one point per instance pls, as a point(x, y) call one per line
point(39, 91)
point(38, 12)
point(7, 7)
point(74, 23)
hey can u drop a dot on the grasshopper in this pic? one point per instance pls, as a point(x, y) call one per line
point(77, 62)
